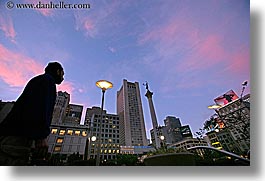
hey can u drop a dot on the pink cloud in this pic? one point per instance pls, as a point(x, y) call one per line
point(85, 24)
point(6, 25)
point(103, 16)
point(169, 33)
point(16, 69)
point(212, 49)
point(66, 86)
point(239, 62)
point(205, 54)
point(88, 25)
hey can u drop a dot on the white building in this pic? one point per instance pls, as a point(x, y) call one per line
point(129, 108)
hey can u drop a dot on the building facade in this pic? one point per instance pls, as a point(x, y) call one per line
point(73, 114)
point(129, 108)
point(236, 118)
point(172, 132)
point(110, 134)
point(67, 135)
point(223, 140)
point(187, 143)
point(172, 126)
point(136, 150)
point(67, 139)
point(60, 107)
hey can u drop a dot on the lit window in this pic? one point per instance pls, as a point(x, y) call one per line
point(84, 133)
point(70, 132)
point(109, 151)
point(54, 131)
point(77, 133)
point(59, 140)
point(57, 148)
point(62, 132)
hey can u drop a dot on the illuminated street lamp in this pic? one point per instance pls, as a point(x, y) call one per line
point(103, 85)
point(93, 138)
point(162, 138)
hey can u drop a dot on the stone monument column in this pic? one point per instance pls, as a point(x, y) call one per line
point(149, 95)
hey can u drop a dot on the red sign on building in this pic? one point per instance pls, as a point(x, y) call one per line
point(226, 98)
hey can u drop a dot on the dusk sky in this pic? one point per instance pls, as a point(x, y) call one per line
point(189, 51)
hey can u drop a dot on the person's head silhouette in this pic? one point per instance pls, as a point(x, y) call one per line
point(55, 69)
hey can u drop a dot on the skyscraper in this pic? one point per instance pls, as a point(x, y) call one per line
point(129, 108)
point(60, 107)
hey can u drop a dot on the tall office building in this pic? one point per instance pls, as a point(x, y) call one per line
point(129, 108)
point(60, 107)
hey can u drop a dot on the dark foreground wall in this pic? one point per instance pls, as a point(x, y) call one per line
point(172, 159)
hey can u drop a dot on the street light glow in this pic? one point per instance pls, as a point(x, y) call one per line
point(93, 138)
point(104, 84)
point(215, 106)
point(162, 137)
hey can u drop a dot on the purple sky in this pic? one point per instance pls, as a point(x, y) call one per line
point(190, 52)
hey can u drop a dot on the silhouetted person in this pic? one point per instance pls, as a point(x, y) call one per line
point(228, 97)
point(28, 123)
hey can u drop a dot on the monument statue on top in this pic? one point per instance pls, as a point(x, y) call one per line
point(149, 95)
point(146, 85)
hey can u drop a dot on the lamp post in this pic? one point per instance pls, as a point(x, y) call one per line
point(244, 85)
point(103, 85)
point(162, 138)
